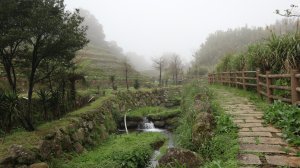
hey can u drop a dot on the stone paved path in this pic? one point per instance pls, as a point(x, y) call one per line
point(260, 145)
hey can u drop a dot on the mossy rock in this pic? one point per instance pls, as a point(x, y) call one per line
point(203, 128)
point(183, 157)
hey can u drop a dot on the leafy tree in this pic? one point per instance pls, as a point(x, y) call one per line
point(45, 36)
point(13, 22)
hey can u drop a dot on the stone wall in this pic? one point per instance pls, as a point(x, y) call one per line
point(84, 130)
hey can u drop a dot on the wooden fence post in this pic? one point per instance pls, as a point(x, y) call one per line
point(243, 79)
point(236, 79)
point(294, 84)
point(269, 90)
point(221, 78)
point(229, 80)
point(258, 87)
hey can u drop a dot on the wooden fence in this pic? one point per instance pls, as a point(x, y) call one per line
point(262, 83)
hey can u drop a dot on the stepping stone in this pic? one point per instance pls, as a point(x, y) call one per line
point(255, 134)
point(283, 161)
point(264, 148)
point(249, 159)
point(265, 129)
point(247, 125)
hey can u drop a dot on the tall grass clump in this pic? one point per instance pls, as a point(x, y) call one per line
point(222, 149)
point(278, 54)
point(188, 114)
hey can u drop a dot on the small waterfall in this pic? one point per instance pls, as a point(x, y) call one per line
point(148, 126)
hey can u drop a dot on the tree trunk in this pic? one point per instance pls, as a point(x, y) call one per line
point(160, 81)
point(126, 78)
point(28, 118)
point(73, 92)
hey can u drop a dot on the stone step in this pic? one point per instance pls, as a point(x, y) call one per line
point(265, 129)
point(254, 121)
point(244, 118)
point(249, 159)
point(238, 121)
point(245, 130)
point(240, 117)
point(262, 140)
point(249, 115)
point(255, 134)
point(247, 125)
point(283, 161)
point(264, 148)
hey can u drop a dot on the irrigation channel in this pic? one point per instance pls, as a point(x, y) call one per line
point(148, 126)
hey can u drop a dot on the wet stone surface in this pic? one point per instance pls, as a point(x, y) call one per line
point(260, 145)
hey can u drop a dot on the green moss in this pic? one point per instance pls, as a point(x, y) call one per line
point(92, 106)
point(133, 150)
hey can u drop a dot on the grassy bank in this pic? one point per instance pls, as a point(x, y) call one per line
point(220, 147)
point(31, 139)
point(153, 112)
point(130, 151)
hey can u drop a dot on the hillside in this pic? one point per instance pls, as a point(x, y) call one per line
point(98, 64)
point(101, 59)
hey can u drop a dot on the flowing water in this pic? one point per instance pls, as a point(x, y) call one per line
point(148, 126)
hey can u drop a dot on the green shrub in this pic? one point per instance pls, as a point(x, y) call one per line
point(287, 117)
point(136, 84)
point(278, 53)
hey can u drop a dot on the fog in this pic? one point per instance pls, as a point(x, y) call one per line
point(151, 28)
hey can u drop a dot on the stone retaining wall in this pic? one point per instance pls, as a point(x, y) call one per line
point(84, 130)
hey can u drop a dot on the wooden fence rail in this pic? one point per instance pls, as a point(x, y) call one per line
point(262, 83)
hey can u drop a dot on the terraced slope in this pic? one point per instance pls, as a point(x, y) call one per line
point(99, 63)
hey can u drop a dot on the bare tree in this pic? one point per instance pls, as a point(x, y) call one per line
point(127, 68)
point(289, 12)
point(175, 67)
point(159, 63)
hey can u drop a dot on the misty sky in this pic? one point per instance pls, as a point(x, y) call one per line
point(153, 27)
